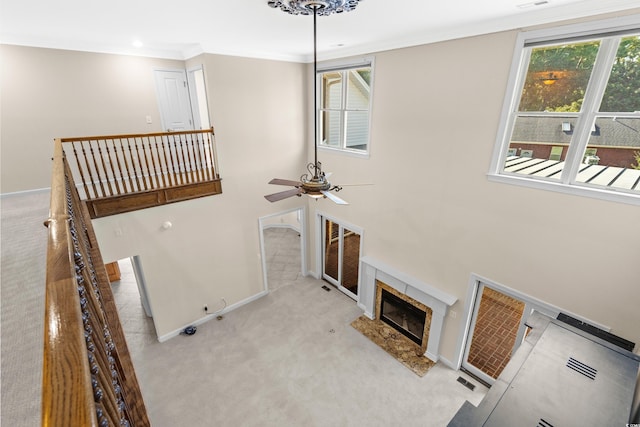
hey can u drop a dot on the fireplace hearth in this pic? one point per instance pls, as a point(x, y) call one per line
point(404, 317)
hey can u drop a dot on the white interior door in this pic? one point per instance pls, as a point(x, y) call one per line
point(173, 99)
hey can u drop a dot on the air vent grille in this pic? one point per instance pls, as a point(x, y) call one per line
point(544, 423)
point(582, 368)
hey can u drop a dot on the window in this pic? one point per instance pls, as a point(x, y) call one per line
point(344, 103)
point(571, 120)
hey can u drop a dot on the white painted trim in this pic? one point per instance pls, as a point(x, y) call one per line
point(439, 301)
point(205, 319)
point(472, 290)
point(319, 248)
point(512, 96)
point(342, 65)
point(575, 190)
point(364, 309)
point(141, 282)
point(447, 363)
point(436, 293)
point(463, 334)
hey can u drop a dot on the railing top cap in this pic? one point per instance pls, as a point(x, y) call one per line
point(137, 135)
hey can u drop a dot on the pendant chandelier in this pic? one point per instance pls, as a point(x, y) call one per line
point(319, 7)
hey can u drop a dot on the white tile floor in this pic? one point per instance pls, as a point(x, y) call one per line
point(290, 358)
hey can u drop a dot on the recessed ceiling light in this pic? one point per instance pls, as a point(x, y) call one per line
point(137, 43)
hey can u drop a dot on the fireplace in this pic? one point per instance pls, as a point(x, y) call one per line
point(402, 316)
point(435, 302)
point(403, 313)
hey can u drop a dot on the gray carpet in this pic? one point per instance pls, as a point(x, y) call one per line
point(23, 245)
point(290, 358)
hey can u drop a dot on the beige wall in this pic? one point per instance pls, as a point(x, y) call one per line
point(50, 93)
point(213, 250)
point(434, 215)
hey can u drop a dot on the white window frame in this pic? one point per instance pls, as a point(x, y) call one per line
point(343, 66)
point(567, 183)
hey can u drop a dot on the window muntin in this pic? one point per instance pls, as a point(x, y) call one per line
point(343, 110)
point(576, 118)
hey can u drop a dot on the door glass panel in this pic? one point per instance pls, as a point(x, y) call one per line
point(494, 335)
point(350, 261)
point(331, 245)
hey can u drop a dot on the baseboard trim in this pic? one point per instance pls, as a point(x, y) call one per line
point(448, 363)
point(364, 309)
point(431, 356)
point(206, 318)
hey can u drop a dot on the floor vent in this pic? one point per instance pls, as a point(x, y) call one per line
point(326, 288)
point(544, 423)
point(466, 383)
point(580, 367)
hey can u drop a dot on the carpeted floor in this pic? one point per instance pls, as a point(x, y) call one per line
point(290, 358)
point(23, 245)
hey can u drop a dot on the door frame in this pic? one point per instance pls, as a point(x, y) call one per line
point(468, 322)
point(319, 234)
point(262, 224)
point(198, 100)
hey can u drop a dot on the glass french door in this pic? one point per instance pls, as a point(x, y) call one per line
point(341, 251)
point(497, 328)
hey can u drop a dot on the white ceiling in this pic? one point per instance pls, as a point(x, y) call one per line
point(250, 28)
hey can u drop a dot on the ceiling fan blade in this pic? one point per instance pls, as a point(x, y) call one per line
point(283, 194)
point(278, 181)
point(334, 198)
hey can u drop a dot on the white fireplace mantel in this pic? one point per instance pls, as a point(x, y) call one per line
point(439, 301)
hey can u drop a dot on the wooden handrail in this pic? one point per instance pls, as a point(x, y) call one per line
point(116, 165)
point(88, 375)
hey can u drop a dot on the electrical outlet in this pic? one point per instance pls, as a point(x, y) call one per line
point(453, 314)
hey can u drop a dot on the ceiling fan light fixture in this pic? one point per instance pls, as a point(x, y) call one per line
point(315, 183)
point(307, 7)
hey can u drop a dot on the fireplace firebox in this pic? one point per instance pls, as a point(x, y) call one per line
point(403, 316)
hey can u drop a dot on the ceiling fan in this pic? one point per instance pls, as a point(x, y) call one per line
point(314, 183)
